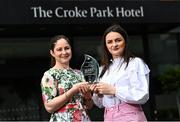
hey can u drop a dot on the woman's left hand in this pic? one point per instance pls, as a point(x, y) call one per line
point(106, 89)
point(85, 91)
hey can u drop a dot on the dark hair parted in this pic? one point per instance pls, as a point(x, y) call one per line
point(53, 41)
point(107, 57)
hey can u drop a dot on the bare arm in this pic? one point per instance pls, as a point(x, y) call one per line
point(59, 101)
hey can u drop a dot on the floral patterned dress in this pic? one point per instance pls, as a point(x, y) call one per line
point(56, 82)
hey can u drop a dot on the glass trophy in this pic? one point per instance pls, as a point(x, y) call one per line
point(90, 69)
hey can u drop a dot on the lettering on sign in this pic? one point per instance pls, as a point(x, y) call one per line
point(91, 12)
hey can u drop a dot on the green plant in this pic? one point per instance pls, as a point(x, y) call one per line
point(170, 79)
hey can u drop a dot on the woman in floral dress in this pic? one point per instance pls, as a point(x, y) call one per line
point(65, 93)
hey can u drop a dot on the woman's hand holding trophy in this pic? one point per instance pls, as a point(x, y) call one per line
point(90, 70)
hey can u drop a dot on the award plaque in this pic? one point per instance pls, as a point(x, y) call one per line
point(90, 69)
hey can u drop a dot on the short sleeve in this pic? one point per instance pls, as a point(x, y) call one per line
point(48, 87)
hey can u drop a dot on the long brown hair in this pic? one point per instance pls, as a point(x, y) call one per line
point(53, 41)
point(107, 57)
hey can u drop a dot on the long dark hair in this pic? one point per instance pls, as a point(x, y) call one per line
point(53, 41)
point(107, 57)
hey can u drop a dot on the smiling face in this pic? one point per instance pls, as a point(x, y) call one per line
point(115, 44)
point(62, 52)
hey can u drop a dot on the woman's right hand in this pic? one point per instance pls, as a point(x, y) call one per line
point(93, 88)
point(77, 87)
